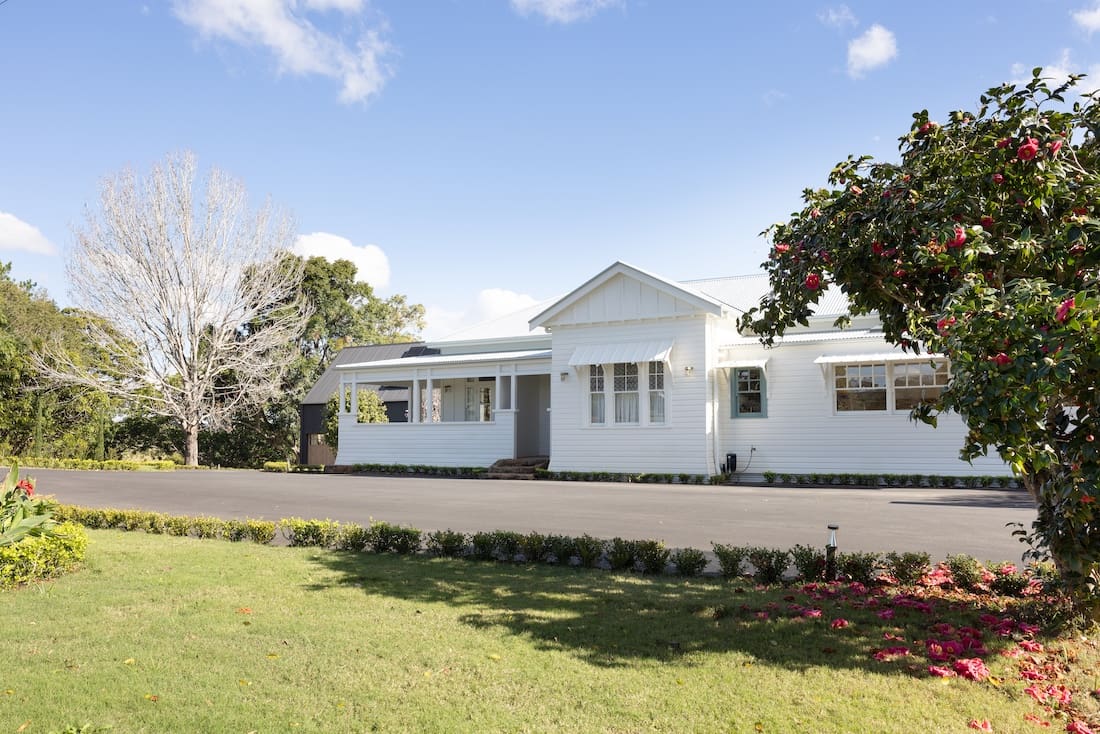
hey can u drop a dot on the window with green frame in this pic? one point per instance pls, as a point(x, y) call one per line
point(747, 393)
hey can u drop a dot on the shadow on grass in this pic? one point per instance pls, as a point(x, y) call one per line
point(613, 620)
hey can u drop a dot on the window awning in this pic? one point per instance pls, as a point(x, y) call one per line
point(875, 358)
point(630, 352)
point(760, 364)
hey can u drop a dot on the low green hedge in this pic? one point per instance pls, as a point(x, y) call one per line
point(42, 462)
point(41, 557)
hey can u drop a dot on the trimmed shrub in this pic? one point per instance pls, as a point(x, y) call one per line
point(309, 533)
point(234, 530)
point(276, 466)
point(156, 523)
point(507, 543)
point(966, 572)
point(42, 556)
point(352, 537)
point(689, 561)
point(622, 555)
point(561, 549)
point(770, 564)
point(179, 525)
point(260, 531)
point(208, 527)
point(589, 550)
point(446, 543)
point(730, 559)
point(858, 566)
point(808, 562)
point(1008, 581)
point(533, 547)
point(652, 555)
point(482, 545)
point(907, 568)
point(406, 541)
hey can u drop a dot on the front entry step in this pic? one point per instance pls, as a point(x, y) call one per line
point(522, 468)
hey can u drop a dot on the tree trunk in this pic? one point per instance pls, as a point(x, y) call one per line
point(191, 453)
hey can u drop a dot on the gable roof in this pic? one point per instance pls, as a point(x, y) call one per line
point(694, 297)
point(328, 382)
point(742, 292)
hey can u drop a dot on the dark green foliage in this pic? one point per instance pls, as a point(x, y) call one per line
point(907, 568)
point(446, 543)
point(731, 559)
point(770, 564)
point(808, 562)
point(858, 566)
point(689, 561)
point(966, 571)
point(622, 555)
point(652, 555)
point(562, 549)
point(533, 547)
point(353, 537)
point(309, 533)
point(589, 550)
point(483, 545)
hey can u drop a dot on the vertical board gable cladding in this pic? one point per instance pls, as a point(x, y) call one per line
point(623, 298)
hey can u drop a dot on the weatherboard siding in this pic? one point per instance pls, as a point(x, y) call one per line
point(678, 446)
point(432, 444)
point(802, 432)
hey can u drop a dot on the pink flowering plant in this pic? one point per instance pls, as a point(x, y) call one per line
point(981, 243)
point(22, 514)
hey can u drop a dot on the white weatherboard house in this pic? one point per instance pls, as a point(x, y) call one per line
point(631, 372)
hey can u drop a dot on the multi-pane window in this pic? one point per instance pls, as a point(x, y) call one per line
point(918, 383)
point(882, 387)
point(748, 392)
point(860, 387)
point(595, 393)
point(625, 388)
point(656, 392)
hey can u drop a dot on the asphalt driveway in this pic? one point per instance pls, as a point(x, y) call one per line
point(938, 521)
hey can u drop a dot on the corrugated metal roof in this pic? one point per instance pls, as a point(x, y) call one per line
point(327, 383)
point(442, 359)
point(631, 352)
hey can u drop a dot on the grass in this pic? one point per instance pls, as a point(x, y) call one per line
point(165, 634)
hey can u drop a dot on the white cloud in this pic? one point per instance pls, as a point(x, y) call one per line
point(1088, 19)
point(840, 17)
point(507, 310)
point(773, 97)
point(15, 234)
point(563, 11)
point(877, 46)
point(372, 265)
point(299, 47)
point(1058, 72)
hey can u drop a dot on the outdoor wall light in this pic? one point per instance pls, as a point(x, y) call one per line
point(564, 376)
point(689, 370)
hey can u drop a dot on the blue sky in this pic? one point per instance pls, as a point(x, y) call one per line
point(480, 155)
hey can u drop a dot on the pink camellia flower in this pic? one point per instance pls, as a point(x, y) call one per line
point(1031, 645)
point(1028, 629)
point(927, 127)
point(1055, 147)
point(1032, 718)
point(1007, 569)
point(972, 669)
point(1001, 359)
point(944, 324)
point(1028, 150)
point(940, 671)
point(839, 624)
point(982, 725)
point(1003, 143)
point(782, 247)
point(998, 178)
point(1062, 314)
point(811, 613)
point(959, 239)
point(886, 614)
point(889, 653)
point(813, 281)
point(986, 221)
point(1078, 727)
point(877, 248)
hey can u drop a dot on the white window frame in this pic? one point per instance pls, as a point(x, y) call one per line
point(892, 371)
point(657, 395)
point(597, 375)
point(602, 379)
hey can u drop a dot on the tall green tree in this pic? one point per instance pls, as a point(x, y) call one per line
point(982, 243)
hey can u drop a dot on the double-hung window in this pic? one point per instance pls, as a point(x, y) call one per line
point(625, 387)
point(596, 402)
point(656, 392)
point(918, 383)
point(748, 392)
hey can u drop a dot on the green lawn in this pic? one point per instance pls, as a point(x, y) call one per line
point(164, 634)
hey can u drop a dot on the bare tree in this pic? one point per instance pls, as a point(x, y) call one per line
point(203, 307)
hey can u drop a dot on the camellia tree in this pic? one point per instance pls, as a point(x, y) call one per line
point(982, 244)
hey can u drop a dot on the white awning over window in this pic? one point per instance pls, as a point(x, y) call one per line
point(630, 352)
point(877, 358)
point(760, 364)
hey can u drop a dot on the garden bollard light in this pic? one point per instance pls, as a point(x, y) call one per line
point(830, 554)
